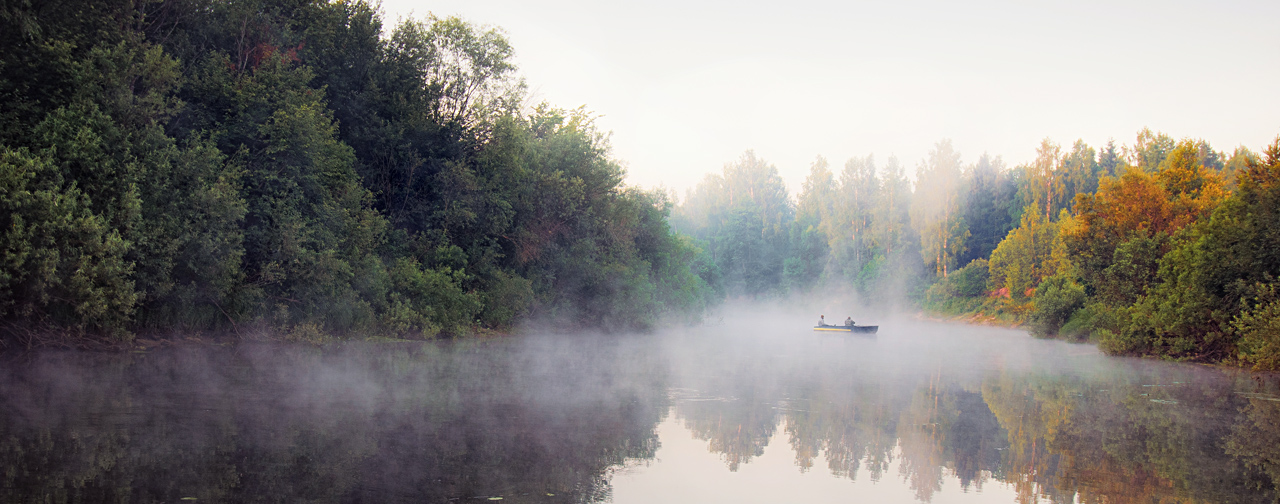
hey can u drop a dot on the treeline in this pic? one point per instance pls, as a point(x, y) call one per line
point(292, 167)
point(1162, 247)
point(1173, 254)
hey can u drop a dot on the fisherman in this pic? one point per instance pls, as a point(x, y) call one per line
point(821, 321)
point(848, 321)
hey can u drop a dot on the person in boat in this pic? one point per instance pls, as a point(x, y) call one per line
point(848, 321)
point(821, 321)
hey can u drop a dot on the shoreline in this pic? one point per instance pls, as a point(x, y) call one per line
point(66, 341)
point(978, 319)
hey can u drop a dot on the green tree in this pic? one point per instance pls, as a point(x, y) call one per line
point(1258, 327)
point(468, 68)
point(745, 216)
point(1026, 256)
point(1057, 298)
point(1080, 173)
point(803, 268)
point(62, 263)
point(1149, 150)
point(895, 270)
point(858, 190)
point(892, 221)
point(1123, 230)
point(283, 166)
point(1044, 178)
point(991, 191)
point(935, 210)
point(308, 225)
point(1215, 270)
point(1110, 160)
point(1236, 166)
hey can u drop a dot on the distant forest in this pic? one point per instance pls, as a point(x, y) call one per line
point(1165, 248)
point(295, 169)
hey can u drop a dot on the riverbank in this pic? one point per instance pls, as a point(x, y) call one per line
point(985, 311)
point(985, 319)
point(25, 339)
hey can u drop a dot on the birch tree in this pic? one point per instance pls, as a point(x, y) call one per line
point(936, 208)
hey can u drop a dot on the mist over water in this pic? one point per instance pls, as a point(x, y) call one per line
point(753, 406)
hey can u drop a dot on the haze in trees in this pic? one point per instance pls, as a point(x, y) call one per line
point(284, 168)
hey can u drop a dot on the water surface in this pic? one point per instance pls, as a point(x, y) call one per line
point(757, 409)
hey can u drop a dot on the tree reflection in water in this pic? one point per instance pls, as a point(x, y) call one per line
point(1111, 430)
point(552, 419)
point(386, 423)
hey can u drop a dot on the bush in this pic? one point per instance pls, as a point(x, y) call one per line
point(1057, 299)
point(506, 299)
point(971, 280)
point(1259, 330)
point(1092, 322)
point(428, 301)
point(962, 291)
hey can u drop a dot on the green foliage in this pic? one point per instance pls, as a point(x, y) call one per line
point(852, 233)
point(969, 281)
point(1057, 299)
point(1043, 181)
point(935, 209)
point(1150, 150)
point(1236, 165)
point(1110, 163)
point(506, 299)
point(746, 219)
point(195, 244)
point(1025, 257)
point(1174, 317)
point(307, 219)
point(990, 207)
point(1081, 172)
point(1258, 327)
point(62, 263)
point(428, 301)
point(1132, 269)
point(803, 269)
point(962, 291)
point(282, 167)
point(1214, 266)
point(1090, 322)
point(597, 254)
point(1123, 341)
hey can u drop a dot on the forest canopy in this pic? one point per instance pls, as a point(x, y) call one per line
point(298, 168)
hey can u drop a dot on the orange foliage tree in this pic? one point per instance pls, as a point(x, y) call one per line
point(1124, 227)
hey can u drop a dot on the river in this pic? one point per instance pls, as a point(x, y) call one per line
point(754, 408)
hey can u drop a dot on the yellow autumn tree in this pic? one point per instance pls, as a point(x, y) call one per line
point(1027, 255)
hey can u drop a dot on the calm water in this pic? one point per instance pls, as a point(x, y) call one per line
point(740, 411)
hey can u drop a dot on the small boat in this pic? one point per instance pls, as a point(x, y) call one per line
point(868, 329)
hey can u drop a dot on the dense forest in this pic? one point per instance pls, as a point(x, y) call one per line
point(1163, 247)
point(293, 168)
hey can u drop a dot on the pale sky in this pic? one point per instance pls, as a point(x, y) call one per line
point(687, 86)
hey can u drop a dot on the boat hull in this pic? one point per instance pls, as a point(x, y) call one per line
point(865, 329)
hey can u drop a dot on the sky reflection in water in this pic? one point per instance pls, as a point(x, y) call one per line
point(753, 409)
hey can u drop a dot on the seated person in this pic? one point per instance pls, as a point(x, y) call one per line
point(848, 321)
point(821, 321)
